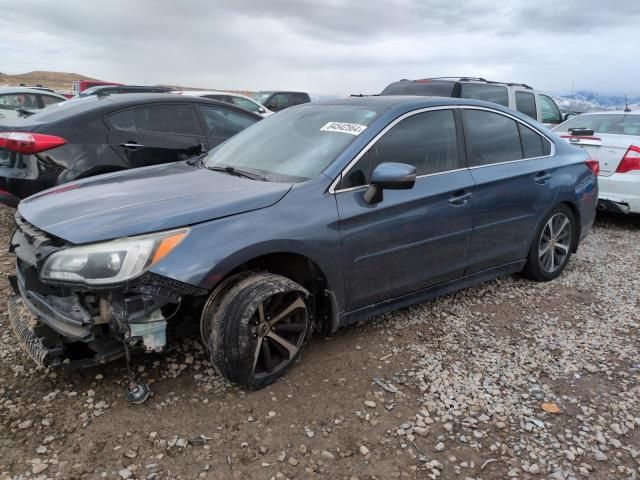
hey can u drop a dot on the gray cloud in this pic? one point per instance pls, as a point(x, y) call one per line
point(333, 47)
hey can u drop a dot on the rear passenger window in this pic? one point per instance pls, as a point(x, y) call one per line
point(491, 138)
point(173, 119)
point(490, 93)
point(123, 120)
point(426, 140)
point(526, 103)
point(533, 144)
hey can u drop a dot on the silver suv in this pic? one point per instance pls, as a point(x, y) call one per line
point(517, 96)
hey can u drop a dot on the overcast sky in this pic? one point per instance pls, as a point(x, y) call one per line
point(327, 46)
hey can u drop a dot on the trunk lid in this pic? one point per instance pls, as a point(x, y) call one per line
point(607, 148)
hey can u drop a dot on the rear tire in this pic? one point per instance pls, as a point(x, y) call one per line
point(258, 326)
point(552, 245)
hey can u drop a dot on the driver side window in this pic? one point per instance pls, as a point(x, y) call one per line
point(550, 111)
point(426, 140)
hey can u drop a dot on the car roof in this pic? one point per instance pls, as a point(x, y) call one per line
point(281, 91)
point(4, 90)
point(391, 101)
point(94, 104)
point(198, 93)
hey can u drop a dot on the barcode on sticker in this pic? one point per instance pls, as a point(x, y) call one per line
point(350, 128)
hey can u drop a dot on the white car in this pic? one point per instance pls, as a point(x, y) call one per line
point(14, 100)
point(612, 138)
point(229, 97)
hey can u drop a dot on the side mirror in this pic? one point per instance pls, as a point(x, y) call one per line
point(261, 110)
point(581, 132)
point(392, 176)
point(567, 116)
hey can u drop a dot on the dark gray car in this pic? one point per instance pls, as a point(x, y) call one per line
point(314, 218)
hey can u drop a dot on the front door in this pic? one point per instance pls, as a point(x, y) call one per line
point(414, 238)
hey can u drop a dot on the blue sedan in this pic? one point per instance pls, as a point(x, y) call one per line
point(323, 215)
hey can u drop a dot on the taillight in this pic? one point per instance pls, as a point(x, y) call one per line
point(28, 143)
point(630, 161)
point(594, 165)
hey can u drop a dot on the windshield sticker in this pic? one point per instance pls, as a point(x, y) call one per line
point(350, 128)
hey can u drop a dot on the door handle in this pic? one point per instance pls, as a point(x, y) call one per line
point(460, 198)
point(542, 178)
point(131, 145)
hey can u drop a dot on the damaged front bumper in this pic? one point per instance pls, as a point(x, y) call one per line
point(79, 326)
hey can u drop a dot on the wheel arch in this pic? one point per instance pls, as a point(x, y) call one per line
point(577, 227)
point(303, 270)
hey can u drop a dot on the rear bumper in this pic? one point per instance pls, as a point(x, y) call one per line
point(620, 192)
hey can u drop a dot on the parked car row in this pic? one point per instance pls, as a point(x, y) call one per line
point(22, 101)
point(313, 218)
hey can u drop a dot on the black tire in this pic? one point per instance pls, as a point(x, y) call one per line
point(249, 344)
point(213, 302)
point(545, 264)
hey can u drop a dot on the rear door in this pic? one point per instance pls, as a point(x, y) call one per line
point(613, 134)
point(221, 123)
point(413, 238)
point(514, 174)
point(156, 133)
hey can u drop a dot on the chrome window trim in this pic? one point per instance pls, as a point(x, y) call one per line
point(345, 170)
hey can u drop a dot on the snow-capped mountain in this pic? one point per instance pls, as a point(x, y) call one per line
point(586, 101)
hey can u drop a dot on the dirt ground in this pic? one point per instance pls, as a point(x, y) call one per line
point(461, 385)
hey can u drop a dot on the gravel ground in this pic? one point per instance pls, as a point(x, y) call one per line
point(507, 379)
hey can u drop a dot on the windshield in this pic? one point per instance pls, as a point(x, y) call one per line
point(617, 123)
point(261, 97)
point(296, 144)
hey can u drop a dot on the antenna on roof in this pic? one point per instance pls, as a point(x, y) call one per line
point(626, 104)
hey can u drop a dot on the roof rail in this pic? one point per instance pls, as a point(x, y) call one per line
point(478, 79)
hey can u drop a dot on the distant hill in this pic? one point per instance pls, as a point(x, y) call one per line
point(57, 80)
point(588, 101)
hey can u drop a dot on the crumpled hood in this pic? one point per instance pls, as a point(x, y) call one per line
point(145, 200)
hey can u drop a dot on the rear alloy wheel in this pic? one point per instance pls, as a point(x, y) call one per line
point(257, 329)
point(555, 243)
point(552, 247)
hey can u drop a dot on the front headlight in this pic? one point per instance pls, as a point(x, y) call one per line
point(110, 262)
